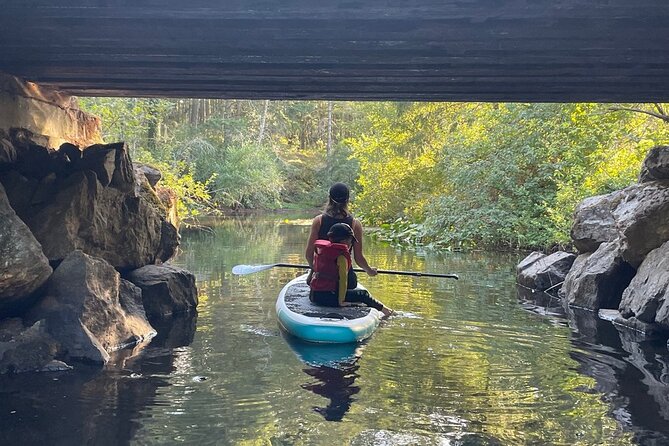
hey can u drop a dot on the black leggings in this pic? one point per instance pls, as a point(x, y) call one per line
point(331, 298)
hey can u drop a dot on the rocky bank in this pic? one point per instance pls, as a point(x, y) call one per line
point(84, 237)
point(621, 269)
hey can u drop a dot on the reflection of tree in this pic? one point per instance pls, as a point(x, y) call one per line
point(336, 384)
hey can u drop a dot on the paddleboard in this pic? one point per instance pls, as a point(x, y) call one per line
point(314, 323)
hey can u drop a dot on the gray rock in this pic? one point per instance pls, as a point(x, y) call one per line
point(656, 165)
point(648, 294)
point(169, 241)
point(90, 311)
point(56, 366)
point(23, 266)
point(7, 151)
point(594, 223)
point(597, 280)
point(122, 174)
point(123, 229)
point(166, 290)
point(152, 174)
point(529, 260)
point(642, 219)
point(546, 272)
point(25, 349)
point(100, 159)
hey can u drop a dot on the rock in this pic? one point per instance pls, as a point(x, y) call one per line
point(101, 159)
point(529, 260)
point(56, 366)
point(152, 174)
point(594, 223)
point(33, 159)
point(656, 165)
point(25, 349)
point(8, 153)
point(23, 266)
point(642, 219)
point(123, 229)
point(169, 241)
point(166, 290)
point(597, 280)
point(72, 152)
point(647, 297)
point(19, 190)
point(90, 311)
point(118, 171)
point(546, 272)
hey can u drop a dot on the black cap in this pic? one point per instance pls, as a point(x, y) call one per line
point(339, 193)
point(340, 231)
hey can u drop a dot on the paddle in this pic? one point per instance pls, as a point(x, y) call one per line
point(250, 269)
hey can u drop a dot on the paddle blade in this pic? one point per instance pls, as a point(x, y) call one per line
point(249, 269)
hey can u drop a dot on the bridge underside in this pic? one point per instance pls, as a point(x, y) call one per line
point(455, 50)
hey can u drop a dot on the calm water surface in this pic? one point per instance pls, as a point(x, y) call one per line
point(463, 363)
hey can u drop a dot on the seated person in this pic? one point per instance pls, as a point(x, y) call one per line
point(329, 277)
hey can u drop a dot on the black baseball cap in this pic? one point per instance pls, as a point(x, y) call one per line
point(339, 193)
point(340, 231)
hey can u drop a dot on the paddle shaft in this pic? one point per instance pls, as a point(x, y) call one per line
point(379, 271)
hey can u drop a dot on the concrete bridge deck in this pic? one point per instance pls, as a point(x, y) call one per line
point(460, 50)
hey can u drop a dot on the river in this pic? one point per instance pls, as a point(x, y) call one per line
point(462, 363)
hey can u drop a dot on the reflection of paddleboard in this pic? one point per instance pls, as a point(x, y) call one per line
point(315, 323)
point(330, 355)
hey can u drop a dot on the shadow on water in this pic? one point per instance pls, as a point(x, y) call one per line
point(91, 406)
point(334, 368)
point(631, 371)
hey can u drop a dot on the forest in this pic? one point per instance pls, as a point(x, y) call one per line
point(458, 176)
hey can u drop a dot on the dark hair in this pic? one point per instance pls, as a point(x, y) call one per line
point(338, 200)
point(341, 231)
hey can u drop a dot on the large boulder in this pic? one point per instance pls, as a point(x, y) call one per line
point(656, 165)
point(642, 219)
point(546, 272)
point(123, 229)
point(23, 266)
point(647, 297)
point(90, 311)
point(112, 165)
point(166, 290)
point(594, 223)
point(597, 280)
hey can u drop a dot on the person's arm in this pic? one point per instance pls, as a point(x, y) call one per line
point(342, 269)
point(357, 249)
point(311, 243)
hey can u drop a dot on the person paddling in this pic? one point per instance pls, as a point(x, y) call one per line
point(336, 211)
point(331, 262)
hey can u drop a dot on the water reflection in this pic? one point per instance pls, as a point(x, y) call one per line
point(91, 406)
point(630, 369)
point(334, 368)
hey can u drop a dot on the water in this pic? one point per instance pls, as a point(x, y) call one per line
point(463, 363)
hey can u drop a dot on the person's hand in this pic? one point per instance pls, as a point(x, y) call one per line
point(372, 272)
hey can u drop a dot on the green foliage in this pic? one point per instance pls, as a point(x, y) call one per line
point(455, 175)
point(497, 176)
